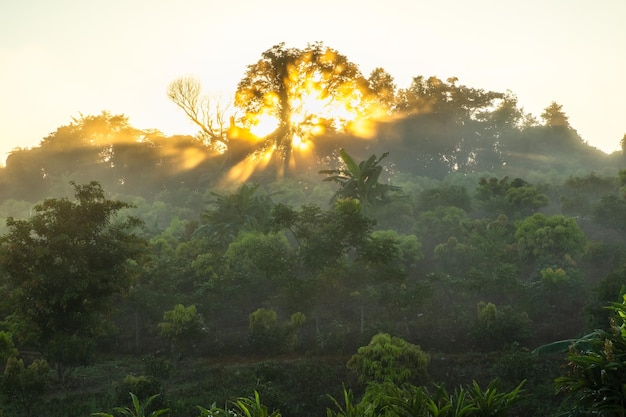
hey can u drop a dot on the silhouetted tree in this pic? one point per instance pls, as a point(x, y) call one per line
point(283, 83)
point(553, 115)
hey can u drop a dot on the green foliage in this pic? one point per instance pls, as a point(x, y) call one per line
point(406, 248)
point(23, 385)
point(252, 407)
point(137, 409)
point(516, 199)
point(360, 181)
point(292, 330)
point(325, 238)
point(494, 328)
point(243, 210)
point(141, 385)
point(490, 402)
point(609, 290)
point(158, 368)
point(441, 223)
point(254, 258)
point(262, 320)
point(583, 193)
point(181, 323)
point(444, 196)
point(389, 358)
point(552, 276)
point(597, 369)
point(610, 212)
point(390, 400)
point(243, 407)
point(264, 332)
point(7, 348)
point(555, 239)
point(63, 264)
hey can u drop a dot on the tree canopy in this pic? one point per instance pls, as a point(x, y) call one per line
point(62, 265)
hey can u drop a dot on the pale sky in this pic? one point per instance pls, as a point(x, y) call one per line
point(60, 58)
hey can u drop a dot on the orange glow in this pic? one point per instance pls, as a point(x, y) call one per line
point(322, 96)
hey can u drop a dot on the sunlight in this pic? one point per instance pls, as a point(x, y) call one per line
point(264, 125)
point(244, 169)
point(320, 95)
point(299, 143)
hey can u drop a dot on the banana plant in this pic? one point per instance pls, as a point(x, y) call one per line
point(360, 181)
point(137, 409)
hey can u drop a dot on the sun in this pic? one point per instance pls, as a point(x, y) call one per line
point(292, 98)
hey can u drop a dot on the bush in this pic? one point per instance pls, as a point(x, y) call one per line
point(24, 386)
point(496, 328)
point(264, 336)
point(389, 358)
point(142, 386)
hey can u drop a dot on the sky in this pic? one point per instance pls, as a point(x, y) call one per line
point(63, 58)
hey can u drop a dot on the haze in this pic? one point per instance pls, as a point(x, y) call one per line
point(61, 59)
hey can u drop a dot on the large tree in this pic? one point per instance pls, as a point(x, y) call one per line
point(62, 266)
point(306, 91)
point(451, 126)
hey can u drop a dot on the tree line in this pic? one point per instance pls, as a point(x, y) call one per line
point(476, 230)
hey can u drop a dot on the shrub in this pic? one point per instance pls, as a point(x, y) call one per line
point(264, 336)
point(494, 328)
point(389, 358)
point(142, 386)
point(24, 386)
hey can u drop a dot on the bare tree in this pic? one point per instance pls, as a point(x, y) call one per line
point(209, 114)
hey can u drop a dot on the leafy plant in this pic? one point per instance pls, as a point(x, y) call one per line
point(360, 180)
point(252, 407)
point(597, 369)
point(181, 323)
point(141, 385)
point(389, 358)
point(391, 400)
point(24, 385)
point(137, 409)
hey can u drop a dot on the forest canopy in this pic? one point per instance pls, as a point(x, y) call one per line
point(323, 213)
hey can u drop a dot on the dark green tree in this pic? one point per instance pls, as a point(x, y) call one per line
point(555, 240)
point(62, 266)
point(516, 199)
point(610, 212)
point(244, 210)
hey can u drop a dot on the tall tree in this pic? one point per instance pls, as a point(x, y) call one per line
point(305, 90)
point(554, 116)
point(62, 265)
point(450, 125)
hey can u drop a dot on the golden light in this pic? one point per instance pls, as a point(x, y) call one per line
point(319, 99)
point(244, 169)
point(263, 125)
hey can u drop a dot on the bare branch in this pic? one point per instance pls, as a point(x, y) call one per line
point(210, 117)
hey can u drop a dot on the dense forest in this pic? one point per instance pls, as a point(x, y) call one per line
point(429, 250)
